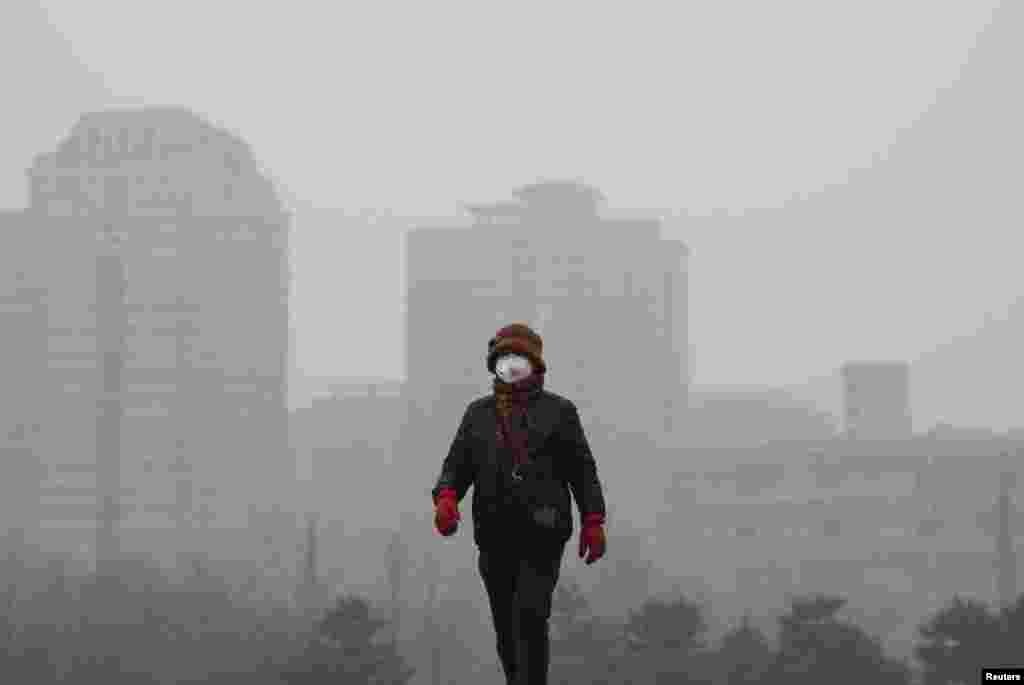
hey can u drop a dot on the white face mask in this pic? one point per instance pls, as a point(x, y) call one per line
point(512, 368)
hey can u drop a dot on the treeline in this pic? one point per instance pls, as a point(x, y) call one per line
point(664, 641)
point(140, 627)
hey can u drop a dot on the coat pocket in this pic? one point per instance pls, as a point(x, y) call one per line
point(547, 504)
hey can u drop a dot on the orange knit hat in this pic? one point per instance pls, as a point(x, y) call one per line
point(517, 338)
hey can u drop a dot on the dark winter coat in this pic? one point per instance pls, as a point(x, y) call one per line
point(560, 461)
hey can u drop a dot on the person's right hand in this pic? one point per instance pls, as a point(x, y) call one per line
point(446, 512)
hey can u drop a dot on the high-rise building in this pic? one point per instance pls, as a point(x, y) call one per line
point(876, 400)
point(203, 245)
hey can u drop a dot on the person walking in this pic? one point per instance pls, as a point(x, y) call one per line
point(523, 450)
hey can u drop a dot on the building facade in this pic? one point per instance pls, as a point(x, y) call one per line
point(892, 525)
point(180, 210)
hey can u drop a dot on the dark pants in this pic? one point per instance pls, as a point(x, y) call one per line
point(520, 584)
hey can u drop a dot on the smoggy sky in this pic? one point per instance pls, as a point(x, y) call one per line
point(419, 106)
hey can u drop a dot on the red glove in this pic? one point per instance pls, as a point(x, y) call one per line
point(592, 538)
point(446, 512)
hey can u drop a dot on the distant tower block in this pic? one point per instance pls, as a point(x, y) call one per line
point(196, 359)
point(876, 400)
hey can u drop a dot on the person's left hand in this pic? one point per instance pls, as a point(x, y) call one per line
point(592, 538)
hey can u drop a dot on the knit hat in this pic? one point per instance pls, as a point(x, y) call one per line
point(517, 338)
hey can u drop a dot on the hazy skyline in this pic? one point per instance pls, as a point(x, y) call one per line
point(726, 105)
